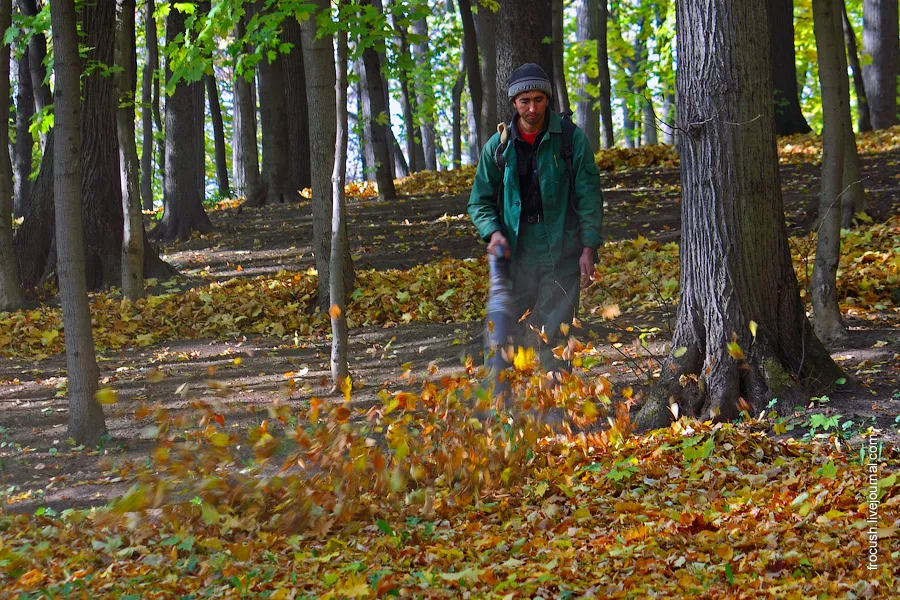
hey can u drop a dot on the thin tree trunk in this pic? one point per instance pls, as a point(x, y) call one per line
point(86, 421)
point(853, 198)
point(457, 117)
point(473, 70)
point(473, 147)
point(862, 104)
point(337, 288)
point(486, 28)
point(126, 82)
point(22, 163)
point(587, 111)
point(299, 175)
point(245, 155)
point(649, 123)
point(789, 117)
point(828, 323)
point(401, 167)
point(735, 260)
point(425, 100)
point(318, 58)
point(605, 85)
point(366, 149)
point(373, 104)
point(628, 124)
point(11, 295)
point(147, 97)
point(215, 112)
point(560, 90)
point(881, 41)
point(37, 55)
point(414, 149)
point(669, 117)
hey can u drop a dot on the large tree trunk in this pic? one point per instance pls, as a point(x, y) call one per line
point(486, 28)
point(339, 251)
point(100, 182)
point(473, 70)
point(245, 154)
point(425, 101)
point(373, 105)
point(881, 41)
point(789, 118)
point(318, 57)
point(521, 24)
point(11, 296)
point(183, 210)
point(735, 262)
point(149, 96)
point(215, 113)
point(829, 325)
point(275, 144)
point(587, 110)
point(37, 55)
point(859, 85)
point(126, 84)
point(560, 90)
point(299, 175)
point(22, 162)
point(86, 421)
point(605, 85)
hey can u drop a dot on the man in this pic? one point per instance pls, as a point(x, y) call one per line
point(547, 219)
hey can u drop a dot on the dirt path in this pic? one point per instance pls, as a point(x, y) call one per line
point(245, 376)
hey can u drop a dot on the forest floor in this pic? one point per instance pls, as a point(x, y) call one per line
point(247, 373)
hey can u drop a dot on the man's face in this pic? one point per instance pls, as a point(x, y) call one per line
point(531, 107)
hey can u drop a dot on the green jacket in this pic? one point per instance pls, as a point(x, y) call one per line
point(572, 224)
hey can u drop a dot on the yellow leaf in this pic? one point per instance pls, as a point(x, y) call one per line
point(334, 311)
point(219, 439)
point(346, 387)
point(524, 358)
point(564, 328)
point(155, 376)
point(106, 396)
point(611, 312)
point(753, 327)
point(726, 553)
point(679, 352)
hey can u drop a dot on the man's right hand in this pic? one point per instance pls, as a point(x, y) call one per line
point(497, 239)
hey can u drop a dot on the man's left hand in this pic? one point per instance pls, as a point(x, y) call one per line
point(586, 263)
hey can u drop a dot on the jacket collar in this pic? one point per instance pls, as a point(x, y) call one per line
point(553, 124)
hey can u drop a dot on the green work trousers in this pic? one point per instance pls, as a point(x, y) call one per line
point(548, 288)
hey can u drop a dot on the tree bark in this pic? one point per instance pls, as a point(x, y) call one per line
point(318, 57)
point(298, 175)
point(149, 96)
point(473, 70)
point(11, 295)
point(425, 100)
point(215, 112)
point(273, 185)
point(560, 90)
point(456, 125)
point(37, 54)
point(339, 252)
point(126, 83)
point(587, 110)
point(789, 117)
point(859, 85)
point(648, 115)
point(486, 29)
point(86, 421)
point(881, 41)
point(605, 85)
point(735, 260)
point(853, 194)
point(183, 210)
point(405, 65)
point(245, 154)
point(22, 163)
point(521, 26)
point(373, 115)
point(828, 323)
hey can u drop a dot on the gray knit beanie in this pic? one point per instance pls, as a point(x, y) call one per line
point(529, 77)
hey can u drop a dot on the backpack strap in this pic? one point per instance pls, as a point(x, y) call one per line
point(500, 161)
point(568, 150)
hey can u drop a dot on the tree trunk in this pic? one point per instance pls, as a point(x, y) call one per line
point(11, 295)
point(605, 85)
point(100, 183)
point(405, 65)
point(735, 261)
point(474, 146)
point(366, 149)
point(37, 55)
point(299, 175)
point(215, 112)
point(339, 251)
point(862, 104)
point(148, 84)
point(126, 83)
point(829, 325)
point(245, 154)
point(425, 101)
point(853, 194)
point(789, 117)
point(649, 123)
point(86, 421)
point(374, 109)
point(155, 101)
point(473, 70)
point(629, 126)
point(486, 28)
point(22, 163)
point(318, 57)
point(587, 110)
point(521, 25)
point(669, 117)
point(881, 41)
point(275, 144)
point(560, 91)
point(182, 196)
point(401, 167)
point(457, 117)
